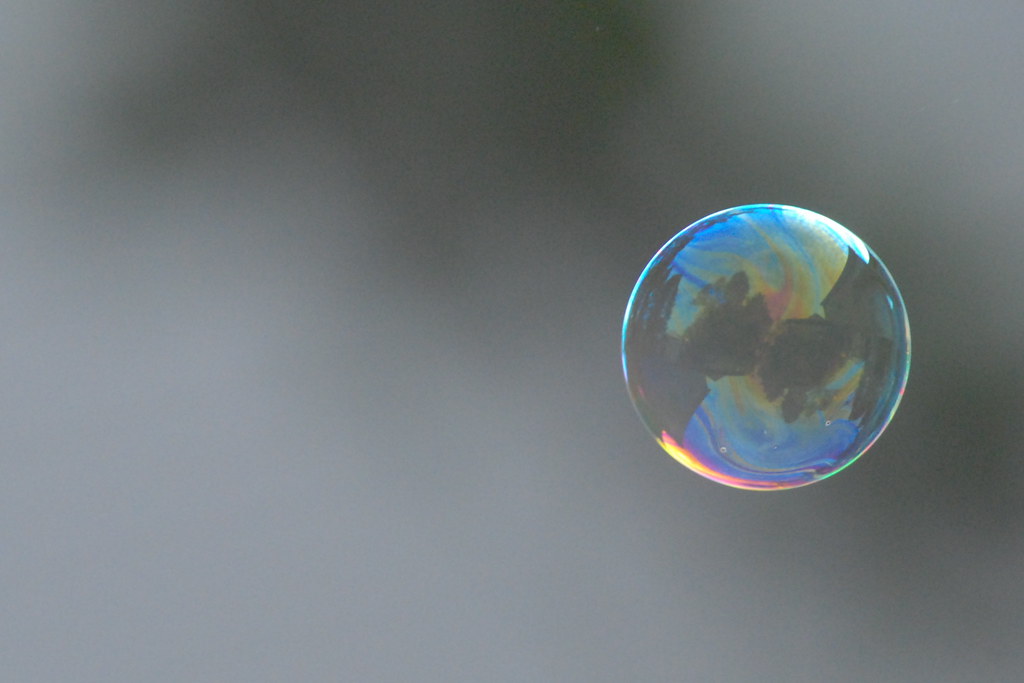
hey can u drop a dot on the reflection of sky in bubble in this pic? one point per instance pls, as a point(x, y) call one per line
point(766, 347)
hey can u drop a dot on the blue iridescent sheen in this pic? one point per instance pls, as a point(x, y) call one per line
point(766, 347)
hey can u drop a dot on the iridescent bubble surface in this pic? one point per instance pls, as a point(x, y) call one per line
point(766, 347)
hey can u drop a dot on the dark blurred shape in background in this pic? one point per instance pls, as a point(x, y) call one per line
point(312, 316)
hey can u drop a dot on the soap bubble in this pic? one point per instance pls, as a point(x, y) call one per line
point(766, 347)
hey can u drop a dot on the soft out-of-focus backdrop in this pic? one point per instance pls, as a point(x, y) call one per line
point(310, 322)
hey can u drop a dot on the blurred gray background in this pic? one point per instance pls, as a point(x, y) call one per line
point(310, 322)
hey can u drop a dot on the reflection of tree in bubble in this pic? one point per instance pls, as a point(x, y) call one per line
point(794, 359)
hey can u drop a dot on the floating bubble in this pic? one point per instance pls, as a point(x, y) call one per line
point(766, 347)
